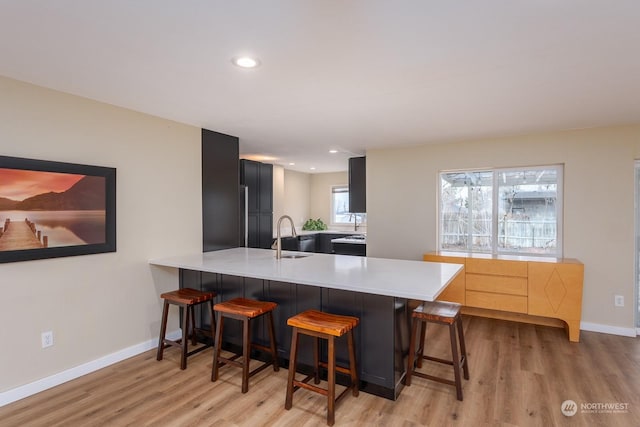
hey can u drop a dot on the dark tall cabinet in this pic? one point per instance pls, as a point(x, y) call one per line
point(220, 198)
point(258, 179)
point(358, 184)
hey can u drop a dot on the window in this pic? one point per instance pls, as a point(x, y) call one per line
point(340, 207)
point(510, 211)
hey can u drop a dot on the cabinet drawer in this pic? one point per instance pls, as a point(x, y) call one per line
point(499, 284)
point(513, 303)
point(497, 267)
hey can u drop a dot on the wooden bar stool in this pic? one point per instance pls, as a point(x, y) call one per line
point(244, 310)
point(187, 299)
point(326, 326)
point(444, 313)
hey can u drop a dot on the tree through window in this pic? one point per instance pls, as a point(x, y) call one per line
point(511, 210)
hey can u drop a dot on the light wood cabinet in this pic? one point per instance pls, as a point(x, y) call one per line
point(544, 291)
point(455, 292)
point(555, 290)
point(494, 301)
point(497, 284)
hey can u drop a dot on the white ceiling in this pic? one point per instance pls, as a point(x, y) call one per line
point(344, 74)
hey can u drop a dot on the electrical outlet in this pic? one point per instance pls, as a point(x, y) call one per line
point(618, 300)
point(47, 339)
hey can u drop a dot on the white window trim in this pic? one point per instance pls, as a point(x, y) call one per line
point(494, 241)
point(331, 208)
point(331, 205)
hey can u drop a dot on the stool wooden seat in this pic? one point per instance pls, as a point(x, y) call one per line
point(326, 326)
point(244, 310)
point(187, 299)
point(445, 313)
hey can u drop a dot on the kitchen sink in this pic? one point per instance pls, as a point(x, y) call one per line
point(295, 256)
point(357, 237)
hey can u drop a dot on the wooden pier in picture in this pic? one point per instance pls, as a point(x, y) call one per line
point(18, 235)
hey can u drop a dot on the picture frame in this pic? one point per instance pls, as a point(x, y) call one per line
point(51, 209)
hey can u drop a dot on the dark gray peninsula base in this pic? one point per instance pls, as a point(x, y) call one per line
point(381, 338)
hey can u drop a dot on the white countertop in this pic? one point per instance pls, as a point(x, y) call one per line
point(351, 240)
point(398, 278)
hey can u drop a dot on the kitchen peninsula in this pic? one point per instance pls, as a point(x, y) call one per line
point(375, 290)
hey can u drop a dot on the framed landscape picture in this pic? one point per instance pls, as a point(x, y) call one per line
point(53, 209)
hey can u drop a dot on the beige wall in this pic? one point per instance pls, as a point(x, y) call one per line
point(303, 196)
point(598, 203)
point(321, 184)
point(97, 304)
point(296, 197)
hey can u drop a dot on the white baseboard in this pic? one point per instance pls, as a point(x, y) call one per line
point(26, 390)
point(607, 329)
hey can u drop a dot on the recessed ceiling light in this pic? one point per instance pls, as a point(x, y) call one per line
point(245, 61)
point(312, 168)
point(291, 164)
point(333, 151)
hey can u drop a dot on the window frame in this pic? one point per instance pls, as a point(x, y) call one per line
point(332, 211)
point(495, 250)
point(360, 216)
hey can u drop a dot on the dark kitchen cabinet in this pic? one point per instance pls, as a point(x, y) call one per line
point(324, 242)
point(303, 243)
point(381, 337)
point(220, 198)
point(258, 179)
point(358, 184)
point(307, 243)
point(358, 249)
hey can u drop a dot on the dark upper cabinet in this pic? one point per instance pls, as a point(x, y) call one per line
point(265, 230)
point(358, 184)
point(220, 197)
point(250, 177)
point(258, 179)
point(265, 195)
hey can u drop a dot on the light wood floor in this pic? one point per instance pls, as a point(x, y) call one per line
point(520, 375)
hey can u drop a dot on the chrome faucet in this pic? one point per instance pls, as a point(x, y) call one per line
point(355, 221)
point(278, 240)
